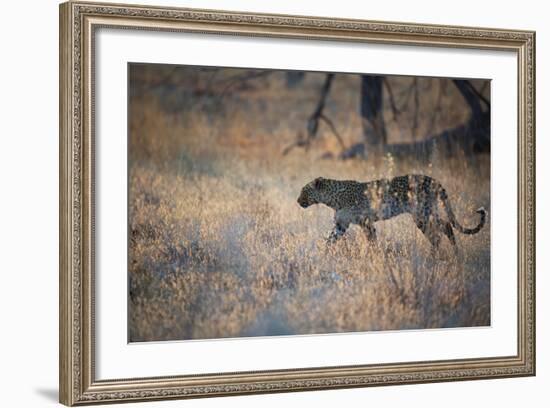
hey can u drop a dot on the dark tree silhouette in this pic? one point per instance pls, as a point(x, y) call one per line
point(471, 137)
point(372, 110)
point(479, 125)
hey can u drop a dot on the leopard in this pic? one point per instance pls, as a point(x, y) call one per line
point(365, 203)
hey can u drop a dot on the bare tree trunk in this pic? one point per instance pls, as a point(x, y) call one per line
point(371, 108)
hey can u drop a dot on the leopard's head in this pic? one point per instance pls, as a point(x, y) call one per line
point(312, 193)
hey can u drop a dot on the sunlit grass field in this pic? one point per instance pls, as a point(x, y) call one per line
point(219, 247)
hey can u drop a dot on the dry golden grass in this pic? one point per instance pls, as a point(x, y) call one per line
point(219, 247)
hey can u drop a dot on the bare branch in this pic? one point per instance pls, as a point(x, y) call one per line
point(416, 109)
point(479, 94)
point(313, 121)
point(395, 111)
point(298, 143)
point(437, 109)
point(408, 92)
point(333, 128)
point(472, 99)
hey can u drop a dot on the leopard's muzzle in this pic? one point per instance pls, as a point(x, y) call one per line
point(304, 203)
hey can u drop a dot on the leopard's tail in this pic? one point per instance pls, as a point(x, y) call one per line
point(452, 218)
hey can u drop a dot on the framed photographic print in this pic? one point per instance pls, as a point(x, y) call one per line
point(258, 203)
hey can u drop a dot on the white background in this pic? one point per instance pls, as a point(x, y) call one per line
point(28, 220)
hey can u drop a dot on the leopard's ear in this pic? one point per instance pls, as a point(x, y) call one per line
point(318, 182)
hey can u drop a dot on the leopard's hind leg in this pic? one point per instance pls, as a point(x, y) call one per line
point(430, 229)
point(446, 228)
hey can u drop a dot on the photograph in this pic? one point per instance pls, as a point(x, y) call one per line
point(279, 203)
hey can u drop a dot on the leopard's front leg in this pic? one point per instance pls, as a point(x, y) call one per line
point(336, 233)
point(341, 225)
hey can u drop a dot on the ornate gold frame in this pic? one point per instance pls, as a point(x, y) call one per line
point(76, 347)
